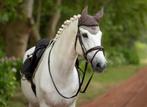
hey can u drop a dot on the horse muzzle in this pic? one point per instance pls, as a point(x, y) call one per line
point(97, 60)
point(99, 66)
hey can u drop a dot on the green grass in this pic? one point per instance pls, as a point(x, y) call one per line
point(100, 84)
point(142, 51)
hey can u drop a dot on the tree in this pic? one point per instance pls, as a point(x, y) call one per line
point(122, 25)
point(54, 19)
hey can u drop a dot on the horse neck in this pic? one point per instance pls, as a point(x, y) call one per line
point(64, 54)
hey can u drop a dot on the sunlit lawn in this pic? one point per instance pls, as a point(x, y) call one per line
point(100, 84)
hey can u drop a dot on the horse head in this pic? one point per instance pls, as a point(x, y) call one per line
point(88, 39)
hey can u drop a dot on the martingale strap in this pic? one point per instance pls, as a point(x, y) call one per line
point(85, 53)
point(83, 76)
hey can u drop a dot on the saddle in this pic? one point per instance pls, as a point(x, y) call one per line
point(32, 60)
point(30, 64)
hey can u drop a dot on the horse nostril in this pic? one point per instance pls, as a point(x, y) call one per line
point(98, 65)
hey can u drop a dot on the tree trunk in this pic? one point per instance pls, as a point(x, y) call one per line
point(17, 32)
point(54, 20)
point(35, 34)
point(16, 39)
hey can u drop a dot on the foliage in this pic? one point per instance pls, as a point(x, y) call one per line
point(124, 22)
point(142, 51)
point(2, 52)
point(131, 56)
point(115, 57)
point(9, 10)
point(118, 56)
point(122, 25)
point(8, 69)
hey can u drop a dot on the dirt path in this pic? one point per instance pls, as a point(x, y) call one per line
point(131, 93)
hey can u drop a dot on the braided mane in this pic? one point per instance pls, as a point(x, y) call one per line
point(66, 24)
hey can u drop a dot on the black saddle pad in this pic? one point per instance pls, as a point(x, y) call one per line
point(31, 62)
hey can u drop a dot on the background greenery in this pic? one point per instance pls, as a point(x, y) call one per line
point(9, 68)
point(124, 28)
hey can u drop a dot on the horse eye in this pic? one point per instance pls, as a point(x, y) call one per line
point(85, 35)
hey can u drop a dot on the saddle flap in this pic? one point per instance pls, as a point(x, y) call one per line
point(31, 63)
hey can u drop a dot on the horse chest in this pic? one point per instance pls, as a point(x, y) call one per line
point(51, 96)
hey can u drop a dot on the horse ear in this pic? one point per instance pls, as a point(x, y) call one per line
point(99, 14)
point(85, 11)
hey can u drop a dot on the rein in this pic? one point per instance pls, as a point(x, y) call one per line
point(54, 81)
point(81, 81)
point(85, 53)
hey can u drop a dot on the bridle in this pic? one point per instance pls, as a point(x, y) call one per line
point(85, 53)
